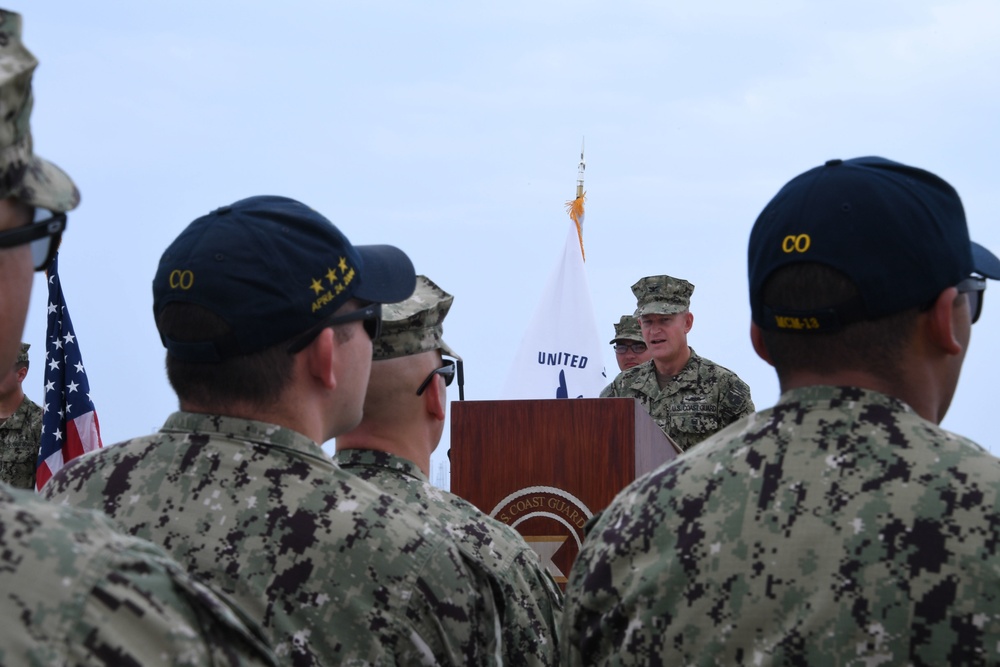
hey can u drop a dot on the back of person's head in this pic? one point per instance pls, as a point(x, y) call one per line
point(845, 256)
point(410, 347)
point(249, 285)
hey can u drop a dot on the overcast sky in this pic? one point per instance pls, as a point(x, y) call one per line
point(453, 130)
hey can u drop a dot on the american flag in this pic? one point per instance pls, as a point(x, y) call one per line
point(69, 422)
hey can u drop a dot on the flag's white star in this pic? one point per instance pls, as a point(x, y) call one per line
point(58, 434)
point(49, 386)
point(79, 367)
point(69, 338)
point(54, 365)
point(72, 387)
point(52, 308)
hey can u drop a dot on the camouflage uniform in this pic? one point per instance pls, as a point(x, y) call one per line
point(700, 400)
point(837, 528)
point(335, 571)
point(20, 435)
point(532, 600)
point(77, 593)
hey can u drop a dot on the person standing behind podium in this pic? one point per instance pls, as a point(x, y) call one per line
point(689, 397)
point(630, 348)
point(404, 417)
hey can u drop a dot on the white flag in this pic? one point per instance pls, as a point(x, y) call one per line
point(561, 355)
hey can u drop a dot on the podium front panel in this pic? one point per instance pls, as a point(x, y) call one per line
point(546, 466)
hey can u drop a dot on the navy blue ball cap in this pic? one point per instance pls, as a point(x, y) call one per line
point(898, 232)
point(271, 268)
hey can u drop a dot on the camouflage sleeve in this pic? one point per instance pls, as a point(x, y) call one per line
point(609, 391)
point(77, 593)
point(455, 619)
point(532, 613)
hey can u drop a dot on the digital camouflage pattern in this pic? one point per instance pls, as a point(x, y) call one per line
point(337, 572)
point(416, 324)
point(20, 438)
point(628, 329)
point(532, 601)
point(662, 295)
point(75, 592)
point(700, 400)
point(23, 174)
point(837, 528)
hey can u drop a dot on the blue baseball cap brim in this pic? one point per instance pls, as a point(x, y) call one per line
point(984, 262)
point(388, 275)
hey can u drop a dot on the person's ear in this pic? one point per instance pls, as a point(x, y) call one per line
point(757, 339)
point(688, 321)
point(22, 373)
point(319, 358)
point(943, 321)
point(434, 398)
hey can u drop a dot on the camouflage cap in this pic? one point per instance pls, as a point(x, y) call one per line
point(627, 329)
point(662, 295)
point(414, 326)
point(23, 174)
point(22, 356)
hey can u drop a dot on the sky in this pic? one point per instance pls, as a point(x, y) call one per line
point(453, 130)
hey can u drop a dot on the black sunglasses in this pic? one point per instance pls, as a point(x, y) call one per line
point(43, 234)
point(370, 316)
point(447, 372)
point(976, 289)
point(637, 348)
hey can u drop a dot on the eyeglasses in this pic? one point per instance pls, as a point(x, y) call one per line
point(447, 372)
point(43, 234)
point(623, 348)
point(976, 289)
point(370, 316)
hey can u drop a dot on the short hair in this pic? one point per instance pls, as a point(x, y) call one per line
point(258, 378)
point(875, 346)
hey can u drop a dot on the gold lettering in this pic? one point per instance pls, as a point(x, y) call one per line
point(796, 243)
point(799, 323)
point(324, 299)
point(181, 279)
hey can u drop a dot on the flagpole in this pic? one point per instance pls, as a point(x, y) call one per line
point(575, 207)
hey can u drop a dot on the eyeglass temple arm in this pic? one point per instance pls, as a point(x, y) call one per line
point(461, 379)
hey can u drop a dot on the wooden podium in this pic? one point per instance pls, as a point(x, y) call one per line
point(546, 466)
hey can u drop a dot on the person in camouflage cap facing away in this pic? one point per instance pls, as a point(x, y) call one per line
point(20, 428)
point(268, 314)
point(72, 590)
point(688, 396)
point(843, 526)
point(404, 418)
